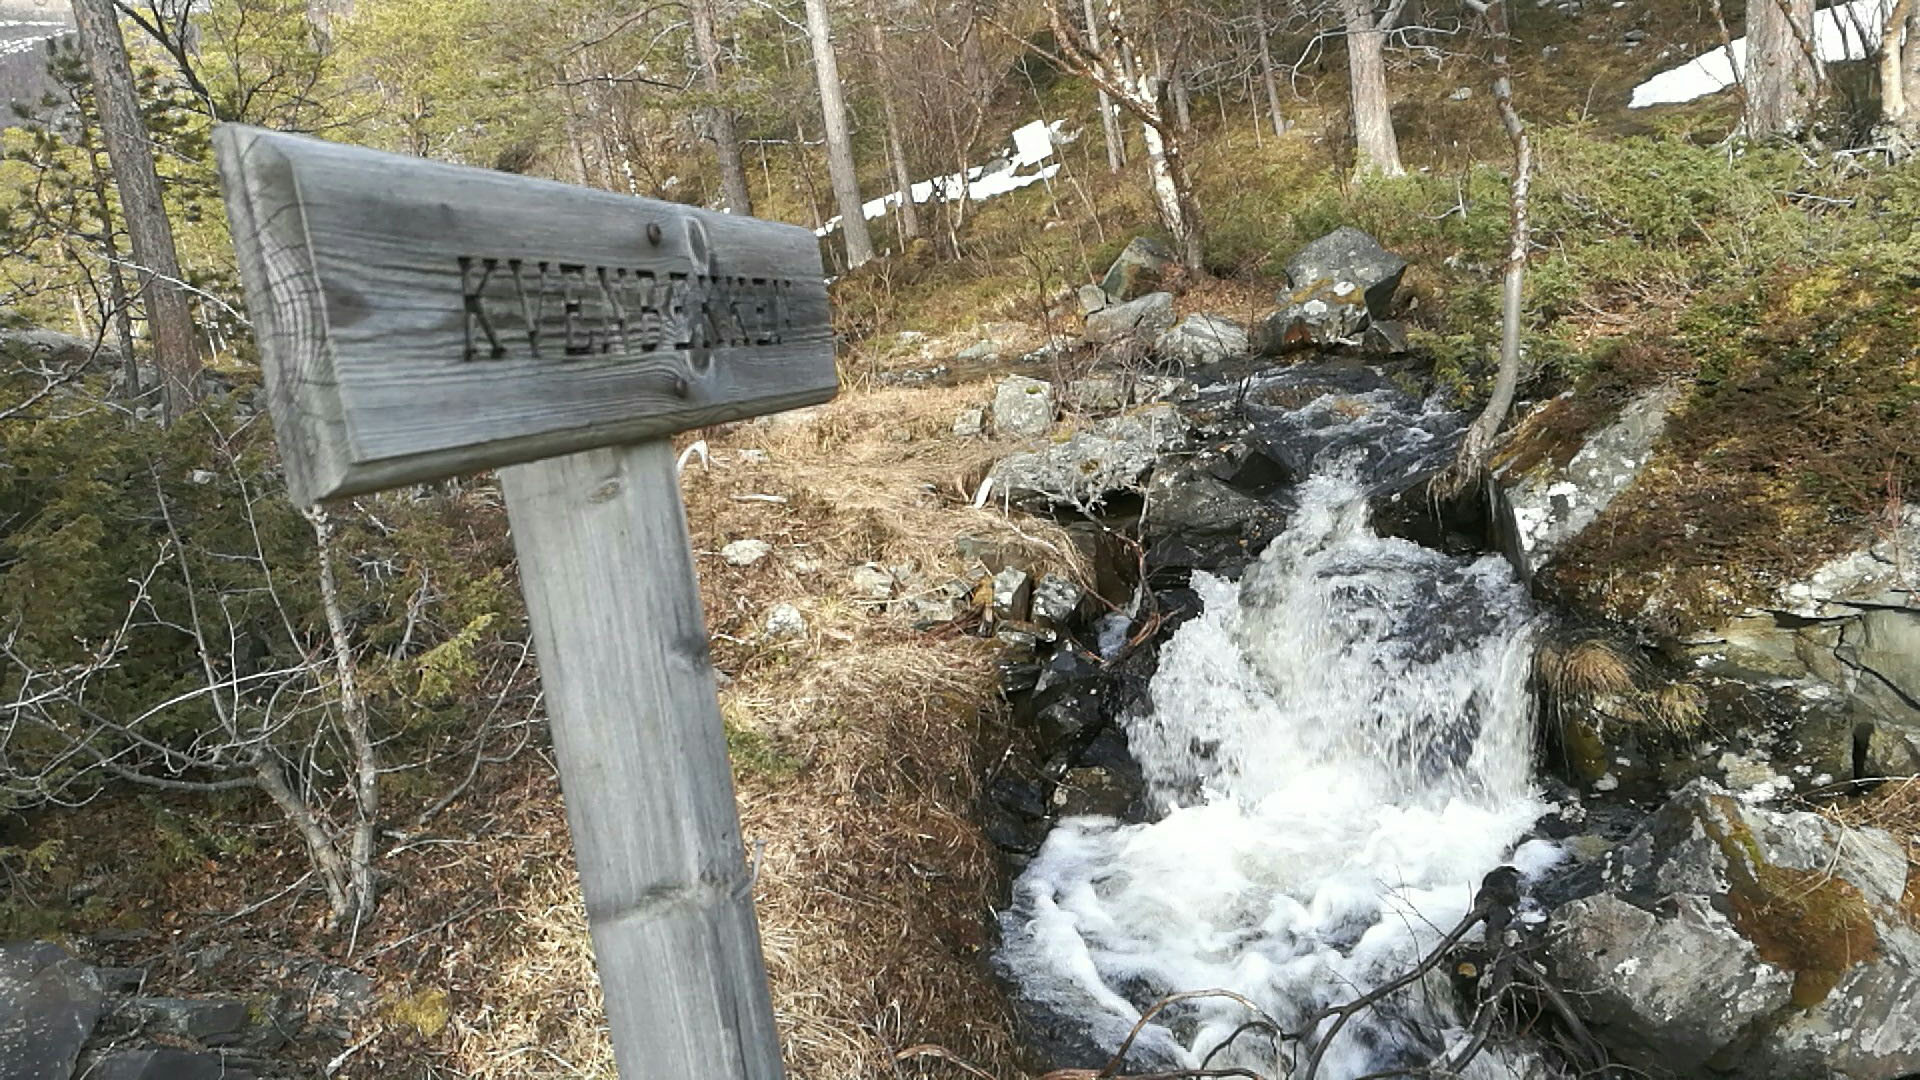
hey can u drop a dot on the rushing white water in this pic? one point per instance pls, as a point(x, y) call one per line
point(1340, 744)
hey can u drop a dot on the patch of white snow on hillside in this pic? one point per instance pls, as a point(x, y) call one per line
point(1033, 145)
point(1844, 32)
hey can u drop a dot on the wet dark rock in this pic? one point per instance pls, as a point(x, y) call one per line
point(1417, 509)
point(1140, 269)
point(1199, 521)
point(1057, 600)
point(49, 1004)
point(1385, 337)
point(1348, 254)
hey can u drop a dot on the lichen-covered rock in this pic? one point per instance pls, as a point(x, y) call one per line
point(1767, 942)
point(1348, 254)
point(1139, 270)
point(970, 423)
point(1143, 318)
point(1879, 573)
point(1203, 339)
point(1319, 314)
point(1084, 469)
point(1670, 990)
point(1022, 406)
point(1547, 505)
point(745, 552)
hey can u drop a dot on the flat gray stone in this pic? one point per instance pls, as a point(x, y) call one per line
point(164, 1064)
point(1548, 507)
point(745, 552)
point(970, 423)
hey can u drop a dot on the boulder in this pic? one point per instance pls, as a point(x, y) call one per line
point(1139, 270)
point(1347, 254)
point(1764, 942)
point(1090, 465)
point(984, 352)
point(1099, 394)
point(971, 423)
point(1022, 407)
point(1144, 317)
point(1385, 337)
point(49, 1004)
point(1545, 505)
point(63, 352)
point(1092, 298)
point(1321, 314)
point(1202, 339)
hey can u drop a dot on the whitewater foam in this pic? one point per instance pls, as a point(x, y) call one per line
point(1340, 748)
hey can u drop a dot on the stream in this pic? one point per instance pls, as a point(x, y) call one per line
point(1338, 749)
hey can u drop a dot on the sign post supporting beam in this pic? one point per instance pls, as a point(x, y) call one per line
point(418, 320)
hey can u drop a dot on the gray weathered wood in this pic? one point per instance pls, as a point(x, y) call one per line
point(609, 579)
point(418, 320)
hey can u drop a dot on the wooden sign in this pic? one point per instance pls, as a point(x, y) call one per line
point(418, 320)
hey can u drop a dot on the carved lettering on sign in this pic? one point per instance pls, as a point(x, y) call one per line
point(558, 310)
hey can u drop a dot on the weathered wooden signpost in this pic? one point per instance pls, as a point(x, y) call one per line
point(419, 320)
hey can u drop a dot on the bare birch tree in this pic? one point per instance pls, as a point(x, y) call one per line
point(833, 111)
point(1474, 448)
point(1139, 88)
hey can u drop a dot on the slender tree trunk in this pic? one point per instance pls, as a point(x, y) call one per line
point(1173, 191)
point(334, 877)
point(1367, 74)
point(1266, 71)
point(116, 281)
point(833, 110)
point(720, 125)
point(1910, 53)
point(1109, 122)
point(1781, 78)
point(908, 213)
point(363, 885)
point(1894, 90)
point(1474, 448)
point(1177, 84)
point(169, 319)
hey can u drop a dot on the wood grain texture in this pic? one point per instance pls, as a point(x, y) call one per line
point(359, 266)
point(615, 611)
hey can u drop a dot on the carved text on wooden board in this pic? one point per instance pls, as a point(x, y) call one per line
point(560, 310)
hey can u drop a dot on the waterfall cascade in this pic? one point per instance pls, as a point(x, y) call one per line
point(1340, 748)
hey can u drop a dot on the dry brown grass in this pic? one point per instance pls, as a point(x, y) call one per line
point(858, 754)
point(1585, 669)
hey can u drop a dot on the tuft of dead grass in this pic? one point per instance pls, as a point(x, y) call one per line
point(1586, 669)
